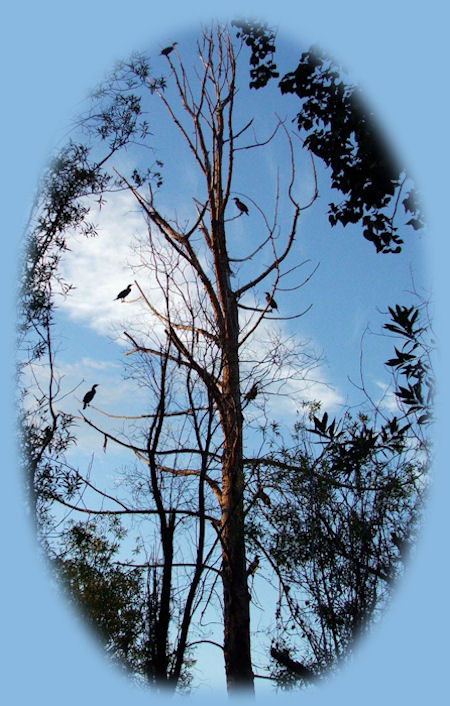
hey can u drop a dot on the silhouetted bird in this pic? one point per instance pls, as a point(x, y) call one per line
point(271, 302)
point(283, 657)
point(262, 495)
point(241, 206)
point(251, 394)
point(251, 570)
point(124, 293)
point(89, 396)
point(402, 545)
point(166, 51)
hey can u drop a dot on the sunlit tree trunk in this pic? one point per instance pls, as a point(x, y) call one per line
point(237, 653)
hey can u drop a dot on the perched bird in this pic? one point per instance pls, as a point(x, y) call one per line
point(124, 293)
point(262, 495)
point(402, 545)
point(251, 394)
point(251, 570)
point(241, 206)
point(272, 303)
point(166, 51)
point(89, 396)
point(283, 657)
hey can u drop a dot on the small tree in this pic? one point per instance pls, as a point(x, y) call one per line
point(349, 513)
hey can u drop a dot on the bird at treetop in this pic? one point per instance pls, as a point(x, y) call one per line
point(89, 396)
point(253, 566)
point(272, 303)
point(124, 293)
point(241, 206)
point(166, 51)
point(251, 394)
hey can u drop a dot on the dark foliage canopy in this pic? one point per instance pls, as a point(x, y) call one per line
point(340, 130)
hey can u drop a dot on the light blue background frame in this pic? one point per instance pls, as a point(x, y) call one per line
point(52, 53)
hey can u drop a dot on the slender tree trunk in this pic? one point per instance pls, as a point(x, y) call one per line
point(162, 626)
point(238, 666)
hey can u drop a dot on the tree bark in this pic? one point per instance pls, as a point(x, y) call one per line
point(234, 575)
point(238, 665)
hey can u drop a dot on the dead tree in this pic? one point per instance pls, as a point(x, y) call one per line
point(190, 355)
point(209, 345)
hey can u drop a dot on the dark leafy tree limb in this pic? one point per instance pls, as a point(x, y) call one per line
point(341, 130)
point(261, 40)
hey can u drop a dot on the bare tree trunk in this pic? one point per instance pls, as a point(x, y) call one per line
point(238, 665)
point(162, 632)
point(167, 526)
point(237, 653)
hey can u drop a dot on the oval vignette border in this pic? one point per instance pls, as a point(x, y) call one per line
point(44, 660)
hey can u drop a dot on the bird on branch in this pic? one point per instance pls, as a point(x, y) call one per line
point(124, 293)
point(241, 206)
point(166, 51)
point(271, 302)
point(283, 657)
point(252, 567)
point(89, 396)
point(262, 495)
point(251, 394)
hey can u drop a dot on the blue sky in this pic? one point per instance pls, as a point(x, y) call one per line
point(53, 58)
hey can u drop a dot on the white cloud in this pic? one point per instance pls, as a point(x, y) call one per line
point(99, 267)
point(388, 399)
point(288, 368)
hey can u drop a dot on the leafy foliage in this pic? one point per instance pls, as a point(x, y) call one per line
point(261, 40)
point(413, 362)
point(109, 595)
point(69, 177)
point(119, 602)
point(343, 515)
point(340, 130)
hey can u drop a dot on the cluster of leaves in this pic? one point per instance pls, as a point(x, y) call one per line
point(110, 595)
point(344, 512)
point(120, 119)
point(412, 361)
point(287, 671)
point(336, 526)
point(75, 173)
point(44, 439)
point(68, 178)
point(359, 441)
point(261, 40)
point(117, 116)
point(120, 602)
point(71, 180)
point(341, 131)
point(45, 433)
